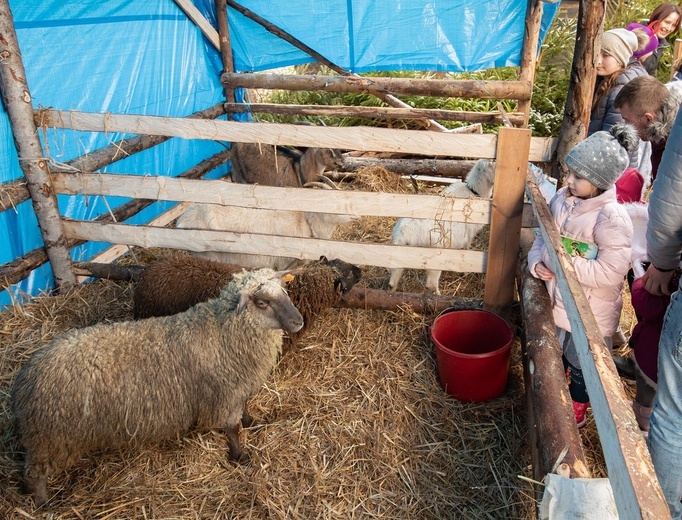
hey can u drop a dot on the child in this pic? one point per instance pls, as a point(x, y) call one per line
point(615, 68)
point(586, 210)
point(650, 312)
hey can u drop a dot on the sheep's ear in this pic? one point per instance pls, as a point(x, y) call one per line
point(243, 300)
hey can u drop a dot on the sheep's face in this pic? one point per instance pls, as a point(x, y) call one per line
point(270, 302)
point(333, 159)
point(349, 274)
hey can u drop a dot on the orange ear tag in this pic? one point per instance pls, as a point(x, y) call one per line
point(288, 278)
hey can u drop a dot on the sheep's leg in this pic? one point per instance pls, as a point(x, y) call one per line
point(247, 420)
point(236, 452)
point(396, 274)
point(432, 279)
point(36, 486)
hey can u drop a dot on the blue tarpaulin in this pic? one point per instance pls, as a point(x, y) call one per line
point(133, 57)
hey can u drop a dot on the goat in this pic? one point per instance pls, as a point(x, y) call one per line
point(270, 165)
point(430, 233)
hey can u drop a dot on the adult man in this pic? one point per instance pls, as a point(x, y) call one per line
point(664, 242)
point(651, 107)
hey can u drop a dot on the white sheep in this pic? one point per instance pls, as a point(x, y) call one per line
point(432, 233)
point(262, 221)
point(122, 384)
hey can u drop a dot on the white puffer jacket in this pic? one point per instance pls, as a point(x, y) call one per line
point(601, 221)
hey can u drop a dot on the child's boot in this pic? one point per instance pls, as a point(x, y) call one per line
point(580, 411)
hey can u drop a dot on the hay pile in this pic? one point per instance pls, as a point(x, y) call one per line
point(352, 424)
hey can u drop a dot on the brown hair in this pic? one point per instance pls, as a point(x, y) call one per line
point(602, 87)
point(663, 11)
point(643, 94)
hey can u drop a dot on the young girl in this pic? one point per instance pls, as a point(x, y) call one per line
point(615, 68)
point(585, 210)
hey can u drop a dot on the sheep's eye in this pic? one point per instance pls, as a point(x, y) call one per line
point(262, 304)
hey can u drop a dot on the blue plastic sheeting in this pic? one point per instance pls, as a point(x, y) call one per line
point(116, 56)
point(147, 57)
point(368, 35)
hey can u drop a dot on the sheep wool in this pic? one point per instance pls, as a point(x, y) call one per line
point(125, 384)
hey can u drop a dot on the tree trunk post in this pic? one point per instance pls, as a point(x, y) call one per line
point(583, 77)
point(17, 100)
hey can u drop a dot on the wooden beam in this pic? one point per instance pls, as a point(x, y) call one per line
point(677, 54)
point(344, 202)
point(346, 138)
point(13, 193)
point(225, 44)
point(18, 103)
point(529, 51)
point(382, 255)
point(633, 480)
point(444, 167)
point(552, 419)
point(200, 20)
point(369, 85)
point(366, 298)
point(376, 113)
point(511, 167)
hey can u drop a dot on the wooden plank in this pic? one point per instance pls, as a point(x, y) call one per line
point(511, 168)
point(381, 255)
point(200, 20)
point(345, 138)
point(635, 488)
point(344, 202)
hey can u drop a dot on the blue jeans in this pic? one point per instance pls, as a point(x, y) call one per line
point(665, 435)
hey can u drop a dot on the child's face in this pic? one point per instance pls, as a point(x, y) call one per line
point(579, 187)
point(607, 64)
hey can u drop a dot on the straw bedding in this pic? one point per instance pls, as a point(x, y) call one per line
point(351, 424)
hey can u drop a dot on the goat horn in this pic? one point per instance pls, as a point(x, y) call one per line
point(327, 181)
point(318, 185)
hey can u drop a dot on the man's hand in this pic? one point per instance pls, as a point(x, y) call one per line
point(657, 282)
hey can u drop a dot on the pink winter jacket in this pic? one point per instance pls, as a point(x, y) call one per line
point(601, 221)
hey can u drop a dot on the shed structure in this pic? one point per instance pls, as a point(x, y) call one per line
point(109, 144)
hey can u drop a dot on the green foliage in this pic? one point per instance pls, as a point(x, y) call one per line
point(549, 91)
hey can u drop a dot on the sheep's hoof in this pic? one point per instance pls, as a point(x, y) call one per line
point(243, 458)
point(36, 487)
point(247, 420)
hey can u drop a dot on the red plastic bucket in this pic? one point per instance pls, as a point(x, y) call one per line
point(472, 353)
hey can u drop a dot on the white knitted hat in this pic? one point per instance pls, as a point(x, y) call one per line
point(619, 43)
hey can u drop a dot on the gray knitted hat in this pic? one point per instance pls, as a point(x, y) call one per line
point(603, 156)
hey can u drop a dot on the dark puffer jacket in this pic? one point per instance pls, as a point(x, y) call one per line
point(652, 61)
point(605, 115)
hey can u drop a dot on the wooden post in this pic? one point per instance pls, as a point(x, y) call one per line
point(225, 45)
point(583, 77)
point(677, 54)
point(17, 100)
point(511, 166)
point(529, 53)
point(550, 414)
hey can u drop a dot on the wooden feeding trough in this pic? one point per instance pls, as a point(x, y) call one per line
point(555, 436)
